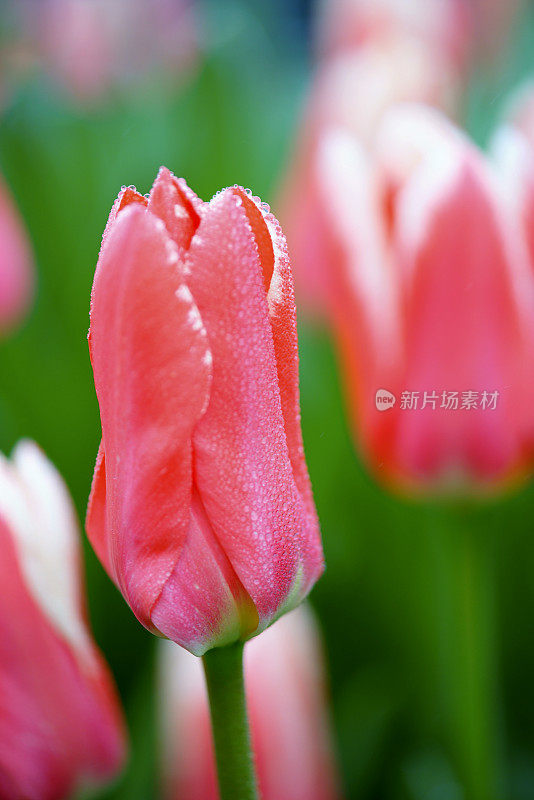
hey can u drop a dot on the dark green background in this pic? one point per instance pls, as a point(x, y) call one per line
point(427, 612)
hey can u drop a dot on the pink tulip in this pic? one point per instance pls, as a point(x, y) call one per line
point(286, 697)
point(60, 724)
point(16, 264)
point(431, 293)
point(445, 25)
point(376, 53)
point(201, 507)
point(460, 30)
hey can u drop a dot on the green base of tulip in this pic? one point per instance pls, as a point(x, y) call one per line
point(223, 667)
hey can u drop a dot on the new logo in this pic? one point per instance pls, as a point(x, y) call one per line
point(384, 399)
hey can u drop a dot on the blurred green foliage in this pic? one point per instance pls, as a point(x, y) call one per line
point(418, 601)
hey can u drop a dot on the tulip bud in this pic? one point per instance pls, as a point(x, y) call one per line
point(201, 507)
point(61, 727)
point(432, 299)
point(16, 264)
point(286, 699)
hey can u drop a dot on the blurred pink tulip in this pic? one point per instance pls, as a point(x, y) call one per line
point(287, 706)
point(201, 508)
point(16, 264)
point(61, 727)
point(380, 52)
point(91, 46)
point(460, 30)
point(443, 25)
point(429, 286)
point(356, 87)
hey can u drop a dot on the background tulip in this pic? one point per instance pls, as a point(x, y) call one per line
point(347, 24)
point(431, 294)
point(285, 689)
point(60, 723)
point(463, 29)
point(16, 264)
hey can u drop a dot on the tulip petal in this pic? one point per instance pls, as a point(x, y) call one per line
point(175, 207)
point(278, 279)
point(31, 489)
point(203, 604)
point(152, 368)
point(126, 197)
point(59, 719)
point(366, 287)
point(95, 521)
point(243, 468)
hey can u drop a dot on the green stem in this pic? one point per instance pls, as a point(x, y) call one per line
point(469, 656)
point(223, 667)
